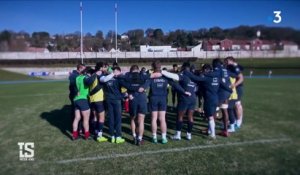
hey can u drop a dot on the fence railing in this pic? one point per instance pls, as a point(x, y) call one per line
point(128, 55)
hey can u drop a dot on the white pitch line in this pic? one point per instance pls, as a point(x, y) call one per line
point(171, 150)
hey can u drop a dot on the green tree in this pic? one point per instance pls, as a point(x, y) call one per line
point(99, 35)
point(5, 35)
point(40, 39)
point(135, 37)
point(5, 39)
point(158, 35)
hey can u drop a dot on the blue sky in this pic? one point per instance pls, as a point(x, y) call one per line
point(63, 16)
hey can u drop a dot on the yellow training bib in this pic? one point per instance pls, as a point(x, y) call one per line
point(98, 96)
point(234, 95)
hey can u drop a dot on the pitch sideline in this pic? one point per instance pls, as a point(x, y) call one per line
point(199, 147)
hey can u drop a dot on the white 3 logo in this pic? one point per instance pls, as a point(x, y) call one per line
point(277, 18)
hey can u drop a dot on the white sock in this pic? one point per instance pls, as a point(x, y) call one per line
point(241, 119)
point(99, 134)
point(140, 137)
point(164, 135)
point(178, 133)
point(154, 135)
point(239, 122)
point(212, 127)
point(232, 128)
point(112, 137)
point(134, 135)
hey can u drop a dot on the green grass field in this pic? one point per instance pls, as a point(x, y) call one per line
point(10, 76)
point(268, 143)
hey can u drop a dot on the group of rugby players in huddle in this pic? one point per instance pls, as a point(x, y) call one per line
point(104, 89)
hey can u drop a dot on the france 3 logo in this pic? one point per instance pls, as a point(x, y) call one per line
point(277, 18)
point(26, 151)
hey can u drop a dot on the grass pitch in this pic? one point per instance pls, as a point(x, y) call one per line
point(40, 113)
point(10, 76)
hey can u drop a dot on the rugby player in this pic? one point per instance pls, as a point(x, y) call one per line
point(97, 104)
point(143, 70)
point(81, 104)
point(237, 69)
point(210, 81)
point(186, 103)
point(113, 98)
point(158, 95)
point(223, 93)
point(137, 102)
point(73, 90)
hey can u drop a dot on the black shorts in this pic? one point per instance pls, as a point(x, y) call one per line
point(158, 103)
point(138, 105)
point(186, 104)
point(223, 96)
point(231, 104)
point(81, 104)
point(97, 106)
point(210, 107)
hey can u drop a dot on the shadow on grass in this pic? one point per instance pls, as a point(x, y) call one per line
point(61, 119)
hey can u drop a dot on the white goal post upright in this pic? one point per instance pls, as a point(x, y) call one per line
point(81, 42)
point(116, 30)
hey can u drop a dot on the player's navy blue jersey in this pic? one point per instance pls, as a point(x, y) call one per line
point(187, 84)
point(112, 89)
point(210, 82)
point(211, 85)
point(72, 82)
point(200, 88)
point(144, 73)
point(135, 80)
point(159, 86)
point(224, 79)
point(235, 70)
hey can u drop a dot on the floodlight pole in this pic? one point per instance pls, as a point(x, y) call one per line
point(81, 43)
point(116, 30)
